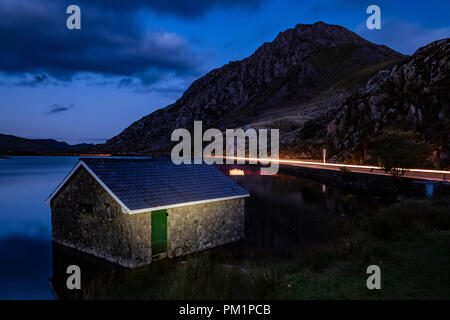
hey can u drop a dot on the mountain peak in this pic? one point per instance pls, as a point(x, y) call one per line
point(285, 75)
point(319, 34)
point(318, 24)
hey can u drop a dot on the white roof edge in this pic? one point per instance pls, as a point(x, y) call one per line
point(81, 163)
point(62, 183)
point(124, 207)
point(184, 204)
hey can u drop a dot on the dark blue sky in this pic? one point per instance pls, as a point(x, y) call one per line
point(133, 57)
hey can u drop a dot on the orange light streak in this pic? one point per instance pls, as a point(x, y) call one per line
point(236, 172)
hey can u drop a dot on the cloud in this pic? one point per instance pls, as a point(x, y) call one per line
point(58, 108)
point(125, 82)
point(36, 80)
point(180, 8)
point(173, 92)
point(35, 40)
point(403, 36)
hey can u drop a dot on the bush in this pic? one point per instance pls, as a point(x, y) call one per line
point(310, 129)
point(409, 218)
point(396, 150)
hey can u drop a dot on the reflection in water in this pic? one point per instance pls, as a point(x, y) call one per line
point(92, 269)
point(285, 213)
point(25, 184)
point(25, 265)
point(25, 230)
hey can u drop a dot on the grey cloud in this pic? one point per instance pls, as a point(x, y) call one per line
point(397, 35)
point(35, 40)
point(36, 80)
point(58, 108)
point(182, 8)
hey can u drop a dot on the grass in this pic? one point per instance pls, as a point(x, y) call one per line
point(362, 75)
point(415, 269)
point(410, 241)
point(203, 276)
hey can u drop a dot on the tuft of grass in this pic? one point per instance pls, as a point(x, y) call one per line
point(414, 269)
point(409, 218)
point(202, 276)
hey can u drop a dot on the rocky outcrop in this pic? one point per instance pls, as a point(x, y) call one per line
point(300, 75)
point(412, 95)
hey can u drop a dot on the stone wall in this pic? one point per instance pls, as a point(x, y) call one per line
point(87, 218)
point(203, 226)
point(376, 185)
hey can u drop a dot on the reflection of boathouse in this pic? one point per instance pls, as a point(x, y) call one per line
point(132, 210)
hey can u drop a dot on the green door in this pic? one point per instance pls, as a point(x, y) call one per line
point(159, 231)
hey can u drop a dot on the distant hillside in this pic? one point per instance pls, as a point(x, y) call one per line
point(14, 145)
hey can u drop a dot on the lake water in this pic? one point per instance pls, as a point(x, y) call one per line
point(25, 227)
point(283, 214)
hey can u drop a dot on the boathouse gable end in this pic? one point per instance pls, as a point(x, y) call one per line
point(104, 231)
point(115, 210)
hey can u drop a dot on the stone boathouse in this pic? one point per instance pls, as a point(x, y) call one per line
point(130, 211)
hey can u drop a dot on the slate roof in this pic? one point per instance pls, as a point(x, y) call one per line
point(147, 183)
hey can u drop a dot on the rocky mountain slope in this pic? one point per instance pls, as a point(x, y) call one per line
point(323, 86)
point(412, 95)
point(301, 75)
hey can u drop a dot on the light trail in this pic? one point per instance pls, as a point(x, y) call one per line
point(286, 161)
point(236, 172)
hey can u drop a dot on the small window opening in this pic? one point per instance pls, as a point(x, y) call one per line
point(86, 208)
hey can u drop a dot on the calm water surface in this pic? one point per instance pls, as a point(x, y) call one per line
point(25, 228)
point(283, 214)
